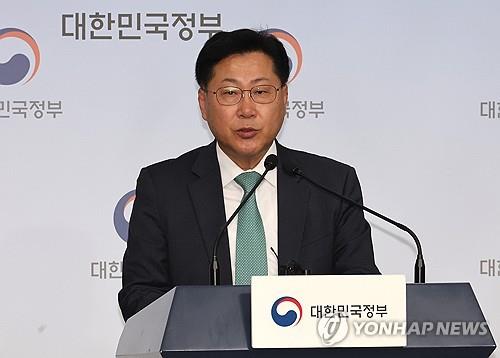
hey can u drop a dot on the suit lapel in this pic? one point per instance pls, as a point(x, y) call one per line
point(293, 199)
point(208, 202)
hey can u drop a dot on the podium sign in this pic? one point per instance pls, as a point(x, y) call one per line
point(328, 311)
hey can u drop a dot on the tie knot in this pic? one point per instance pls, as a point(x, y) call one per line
point(247, 180)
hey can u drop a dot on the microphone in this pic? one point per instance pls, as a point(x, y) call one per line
point(419, 274)
point(290, 269)
point(270, 163)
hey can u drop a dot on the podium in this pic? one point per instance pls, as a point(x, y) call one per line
point(207, 321)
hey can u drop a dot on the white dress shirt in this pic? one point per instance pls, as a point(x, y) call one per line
point(267, 202)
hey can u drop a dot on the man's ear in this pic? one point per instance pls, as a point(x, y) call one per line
point(285, 93)
point(202, 102)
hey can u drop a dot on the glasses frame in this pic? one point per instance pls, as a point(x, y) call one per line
point(243, 94)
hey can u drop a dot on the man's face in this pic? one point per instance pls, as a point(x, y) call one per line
point(246, 130)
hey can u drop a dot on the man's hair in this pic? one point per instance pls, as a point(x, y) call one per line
point(224, 44)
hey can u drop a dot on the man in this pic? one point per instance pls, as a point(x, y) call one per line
point(181, 204)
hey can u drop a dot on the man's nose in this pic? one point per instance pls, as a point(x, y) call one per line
point(246, 107)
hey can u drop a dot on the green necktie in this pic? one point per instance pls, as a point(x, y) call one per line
point(251, 258)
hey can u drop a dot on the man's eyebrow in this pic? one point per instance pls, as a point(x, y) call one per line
point(230, 80)
point(260, 79)
point(235, 81)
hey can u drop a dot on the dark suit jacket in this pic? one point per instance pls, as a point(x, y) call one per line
point(179, 211)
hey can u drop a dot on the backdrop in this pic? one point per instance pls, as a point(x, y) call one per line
point(91, 91)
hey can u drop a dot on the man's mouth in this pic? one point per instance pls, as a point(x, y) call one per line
point(246, 133)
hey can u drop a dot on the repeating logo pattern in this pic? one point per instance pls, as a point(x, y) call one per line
point(288, 39)
point(17, 68)
point(291, 317)
point(119, 219)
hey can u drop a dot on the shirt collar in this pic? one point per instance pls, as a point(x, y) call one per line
point(230, 170)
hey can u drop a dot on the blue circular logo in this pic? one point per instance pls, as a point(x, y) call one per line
point(119, 220)
point(291, 317)
point(17, 68)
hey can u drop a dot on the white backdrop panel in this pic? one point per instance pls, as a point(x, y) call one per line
point(401, 83)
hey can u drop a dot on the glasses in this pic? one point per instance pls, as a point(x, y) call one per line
point(230, 95)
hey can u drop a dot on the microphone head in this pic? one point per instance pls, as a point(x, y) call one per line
point(271, 162)
point(291, 169)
